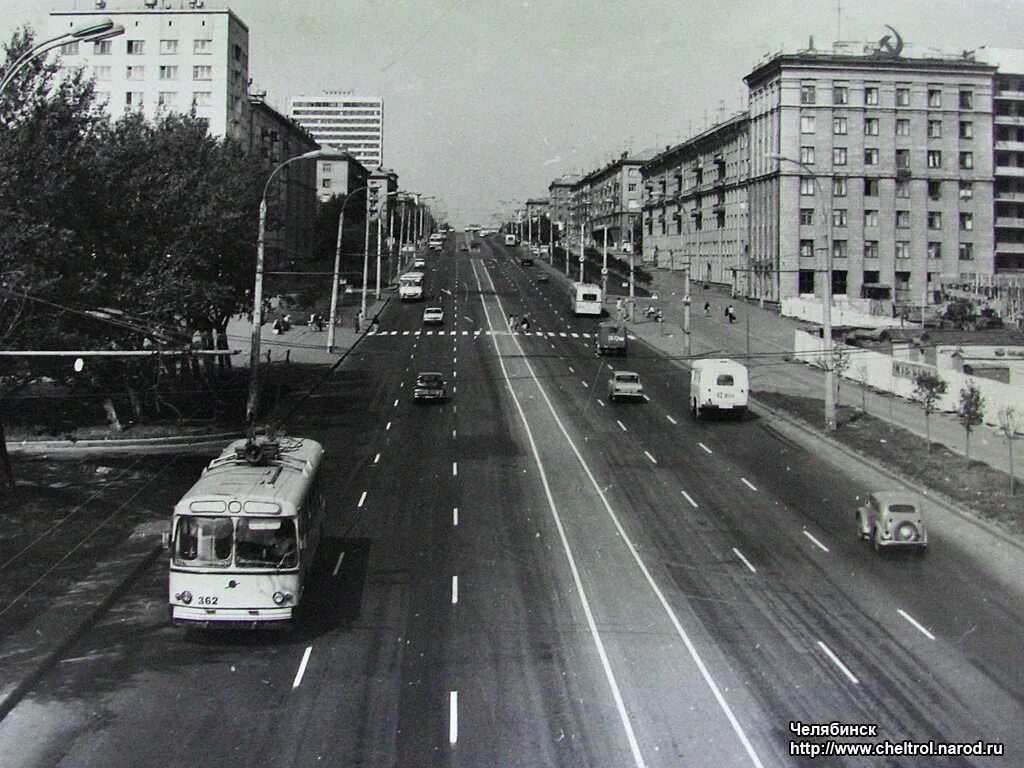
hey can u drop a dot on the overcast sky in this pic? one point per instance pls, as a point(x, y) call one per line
point(487, 100)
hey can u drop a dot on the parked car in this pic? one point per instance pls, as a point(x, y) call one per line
point(419, 263)
point(429, 386)
point(893, 519)
point(433, 316)
point(625, 384)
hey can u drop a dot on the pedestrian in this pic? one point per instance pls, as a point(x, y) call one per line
point(375, 325)
point(731, 314)
point(707, 309)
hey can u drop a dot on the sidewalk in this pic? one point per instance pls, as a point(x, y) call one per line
point(768, 338)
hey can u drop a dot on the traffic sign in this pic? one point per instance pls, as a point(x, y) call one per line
point(604, 272)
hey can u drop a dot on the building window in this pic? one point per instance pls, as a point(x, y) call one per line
point(202, 47)
point(838, 217)
point(966, 190)
point(838, 282)
point(806, 123)
point(871, 156)
point(69, 49)
point(135, 73)
point(806, 279)
point(934, 97)
point(167, 99)
point(934, 189)
point(903, 219)
point(136, 47)
point(632, 188)
point(902, 127)
point(806, 185)
point(934, 250)
point(870, 249)
point(966, 100)
point(934, 129)
point(133, 99)
point(902, 97)
point(934, 220)
point(870, 187)
point(237, 50)
point(902, 188)
point(202, 98)
point(840, 95)
point(325, 183)
point(871, 96)
point(839, 249)
point(806, 215)
point(902, 158)
point(807, 94)
point(168, 73)
point(902, 249)
point(839, 187)
point(807, 248)
point(870, 126)
point(966, 221)
point(934, 158)
point(966, 129)
point(870, 217)
point(101, 73)
point(839, 126)
point(807, 155)
point(966, 251)
point(169, 47)
point(102, 47)
point(966, 160)
point(839, 156)
point(202, 73)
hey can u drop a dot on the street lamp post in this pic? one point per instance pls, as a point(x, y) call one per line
point(826, 324)
point(92, 32)
point(332, 320)
point(366, 255)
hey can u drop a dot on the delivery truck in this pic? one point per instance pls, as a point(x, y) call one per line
point(611, 338)
point(718, 386)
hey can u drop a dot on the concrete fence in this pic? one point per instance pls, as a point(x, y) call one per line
point(845, 311)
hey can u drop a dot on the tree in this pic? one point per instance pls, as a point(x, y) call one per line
point(928, 388)
point(970, 411)
point(1010, 424)
point(840, 363)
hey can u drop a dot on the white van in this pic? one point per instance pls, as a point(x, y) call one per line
point(720, 386)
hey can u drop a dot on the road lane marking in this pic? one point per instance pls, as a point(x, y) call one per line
point(821, 546)
point(396, 402)
point(621, 425)
point(401, 385)
point(455, 469)
point(600, 402)
point(585, 384)
point(745, 561)
point(405, 333)
point(453, 717)
point(337, 565)
point(454, 374)
point(455, 590)
point(749, 484)
point(916, 624)
point(302, 667)
point(653, 460)
point(706, 449)
point(361, 499)
point(387, 427)
point(835, 660)
point(455, 516)
point(689, 499)
point(671, 419)
point(376, 458)
point(453, 433)
point(571, 369)
point(575, 335)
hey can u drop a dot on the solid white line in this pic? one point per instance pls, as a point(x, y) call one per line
point(453, 717)
point(671, 419)
point(653, 460)
point(455, 468)
point(749, 484)
point(362, 499)
point(376, 458)
point(745, 561)
point(337, 565)
point(387, 427)
point(455, 516)
point(845, 670)
point(914, 621)
point(704, 447)
point(820, 545)
point(302, 667)
point(455, 590)
point(689, 499)
point(621, 425)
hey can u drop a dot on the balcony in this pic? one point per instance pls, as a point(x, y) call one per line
point(1016, 248)
point(1009, 222)
point(1009, 197)
point(1008, 95)
point(1017, 120)
point(1010, 146)
point(1009, 170)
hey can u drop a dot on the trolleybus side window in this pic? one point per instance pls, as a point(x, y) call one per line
point(203, 541)
point(265, 543)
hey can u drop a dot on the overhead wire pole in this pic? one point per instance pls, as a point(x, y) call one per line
point(333, 318)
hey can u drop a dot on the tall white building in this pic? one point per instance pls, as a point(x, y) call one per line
point(174, 55)
point(344, 121)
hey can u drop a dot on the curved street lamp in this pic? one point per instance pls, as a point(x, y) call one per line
point(93, 32)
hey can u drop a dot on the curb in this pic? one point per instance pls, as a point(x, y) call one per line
point(36, 667)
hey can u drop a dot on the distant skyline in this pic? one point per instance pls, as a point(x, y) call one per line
point(489, 101)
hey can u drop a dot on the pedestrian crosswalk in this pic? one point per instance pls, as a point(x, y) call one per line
point(481, 332)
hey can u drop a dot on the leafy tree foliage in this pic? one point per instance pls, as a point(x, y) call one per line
point(928, 388)
point(970, 412)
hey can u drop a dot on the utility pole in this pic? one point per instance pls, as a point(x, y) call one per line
point(582, 252)
point(632, 287)
point(687, 347)
point(379, 238)
point(604, 266)
point(366, 264)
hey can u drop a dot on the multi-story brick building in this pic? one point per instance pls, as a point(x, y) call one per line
point(883, 161)
point(695, 204)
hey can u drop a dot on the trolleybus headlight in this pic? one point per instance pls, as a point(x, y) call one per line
point(184, 597)
point(280, 598)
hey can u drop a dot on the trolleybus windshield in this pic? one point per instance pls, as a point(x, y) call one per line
point(255, 542)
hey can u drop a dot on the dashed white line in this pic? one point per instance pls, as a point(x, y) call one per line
point(648, 454)
point(821, 546)
point(453, 717)
point(455, 590)
point(396, 402)
point(585, 384)
point(337, 565)
point(361, 499)
point(455, 469)
point(749, 484)
point(689, 499)
point(376, 459)
point(600, 402)
point(302, 667)
point(571, 369)
point(916, 624)
point(745, 561)
point(671, 419)
point(387, 427)
point(621, 425)
point(453, 433)
point(835, 659)
point(455, 516)
point(706, 449)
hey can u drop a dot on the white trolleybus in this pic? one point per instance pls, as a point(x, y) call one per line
point(244, 537)
point(410, 286)
point(585, 299)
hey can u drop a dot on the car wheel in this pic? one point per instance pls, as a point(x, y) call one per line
point(876, 542)
point(860, 527)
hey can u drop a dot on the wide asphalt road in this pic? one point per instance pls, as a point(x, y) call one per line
point(530, 575)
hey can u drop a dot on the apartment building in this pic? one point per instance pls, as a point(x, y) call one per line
point(883, 162)
point(695, 205)
point(609, 200)
point(345, 121)
point(340, 177)
point(175, 55)
point(560, 200)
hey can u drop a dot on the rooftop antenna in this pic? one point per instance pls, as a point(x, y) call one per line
point(839, 19)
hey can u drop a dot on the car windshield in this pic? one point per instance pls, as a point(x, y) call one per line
point(903, 509)
point(428, 380)
point(628, 378)
point(266, 543)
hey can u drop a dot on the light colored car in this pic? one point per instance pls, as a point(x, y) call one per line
point(433, 316)
point(419, 263)
point(625, 384)
point(429, 386)
point(893, 519)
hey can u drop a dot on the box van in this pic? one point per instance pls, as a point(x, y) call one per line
point(611, 338)
point(510, 239)
point(718, 386)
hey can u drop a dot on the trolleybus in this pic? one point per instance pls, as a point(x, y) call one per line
point(244, 537)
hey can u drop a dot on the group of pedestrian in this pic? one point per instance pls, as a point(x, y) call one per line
point(282, 324)
point(519, 322)
point(316, 320)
